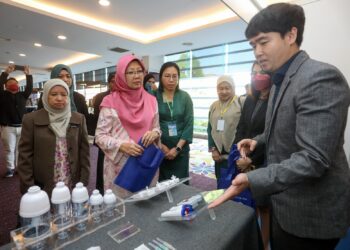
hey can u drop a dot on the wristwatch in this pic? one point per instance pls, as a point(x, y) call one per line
point(178, 149)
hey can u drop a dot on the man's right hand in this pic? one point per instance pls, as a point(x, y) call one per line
point(246, 146)
point(10, 69)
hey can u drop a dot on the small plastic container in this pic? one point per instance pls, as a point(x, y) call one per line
point(110, 202)
point(96, 206)
point(61, 202)
point(34, 212)
point(80, 205)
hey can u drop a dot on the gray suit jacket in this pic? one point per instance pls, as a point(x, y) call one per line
point(308, 176)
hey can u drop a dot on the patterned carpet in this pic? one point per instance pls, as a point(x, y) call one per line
point(200, 159)
point(200, 170)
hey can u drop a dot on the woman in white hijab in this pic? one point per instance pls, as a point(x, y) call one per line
point(224, 116)
point(54, 143)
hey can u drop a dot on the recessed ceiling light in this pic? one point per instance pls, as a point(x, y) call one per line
point(22, 54)
point(12, 62)
point(37, 44)
point(104, 2)
point(61, 37)
point(187, 44)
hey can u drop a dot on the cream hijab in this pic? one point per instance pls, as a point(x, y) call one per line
point(59, 119)
point(232, 108)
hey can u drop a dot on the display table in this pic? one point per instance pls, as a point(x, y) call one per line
point(235, 227)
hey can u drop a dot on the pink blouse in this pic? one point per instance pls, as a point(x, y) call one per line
point(109, 136)
point(62, 167)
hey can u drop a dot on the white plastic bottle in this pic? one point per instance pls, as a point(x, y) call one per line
point(96, 206)
point(110, 202)
point(61, 203)
point(80, 205)
point(34, 212)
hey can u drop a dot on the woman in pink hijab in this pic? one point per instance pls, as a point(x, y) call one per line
point(126, 115)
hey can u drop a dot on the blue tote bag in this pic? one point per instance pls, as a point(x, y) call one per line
point(229, 173)
point(139, 171)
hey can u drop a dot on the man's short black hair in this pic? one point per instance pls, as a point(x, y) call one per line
point(110, 77)
point(11, 78)
point(279, 17)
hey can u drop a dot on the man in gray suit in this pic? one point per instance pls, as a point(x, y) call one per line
point(307, 174)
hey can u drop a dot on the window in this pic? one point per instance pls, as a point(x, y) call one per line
point(88, 76)
point(100, 75)
point(200, 69)
point(111, 69)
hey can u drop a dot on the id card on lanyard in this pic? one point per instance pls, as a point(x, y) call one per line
point(220, 126)
point(172, 125)
point(172, 129)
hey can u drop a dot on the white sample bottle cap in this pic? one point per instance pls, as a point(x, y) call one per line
point(109, 197)
point(96, 198)
point(34, 203)
point(60, 194)
point(80, 193)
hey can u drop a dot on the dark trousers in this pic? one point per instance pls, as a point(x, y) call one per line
point(99, 171)
point(281, 240)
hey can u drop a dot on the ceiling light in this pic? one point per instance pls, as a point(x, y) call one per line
point(61, 37)
point(77, 58)
point(37, 44)
point(12, 62)
point(104, 2)
point(220, 15)
point(244, 9)
point(187, 44)
point(22, 54)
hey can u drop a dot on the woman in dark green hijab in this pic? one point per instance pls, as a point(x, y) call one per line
point(64, 73)
point(77, 100)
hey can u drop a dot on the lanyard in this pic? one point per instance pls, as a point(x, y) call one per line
point(171, 108)
point(223, 111)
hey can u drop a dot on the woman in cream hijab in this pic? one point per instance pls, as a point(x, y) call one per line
point(54, 144)
point(224, 116)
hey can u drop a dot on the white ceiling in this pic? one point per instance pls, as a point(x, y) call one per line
point(21, 26)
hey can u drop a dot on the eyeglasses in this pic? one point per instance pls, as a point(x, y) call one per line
point(171, 77)
point(261, 72)
point(133, 73)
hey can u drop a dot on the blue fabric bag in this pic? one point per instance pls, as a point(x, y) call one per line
point(139, 171)
point(229, 173)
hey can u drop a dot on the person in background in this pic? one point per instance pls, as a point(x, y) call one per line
point(307, 175)
point(223, 118)
point(127, 115)
point(248, 89)
point(97, 100)
point(176, 122)
point(77, 100)
point(149, 83)
point(54, 143)
point(251, 124)
point(12, 108)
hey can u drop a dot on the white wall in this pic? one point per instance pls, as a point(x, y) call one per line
point(326, 38)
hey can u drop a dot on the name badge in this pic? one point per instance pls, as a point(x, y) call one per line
point(172, 129)
point(220, 125)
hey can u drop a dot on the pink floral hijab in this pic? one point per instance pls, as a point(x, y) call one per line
point(135, 107)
